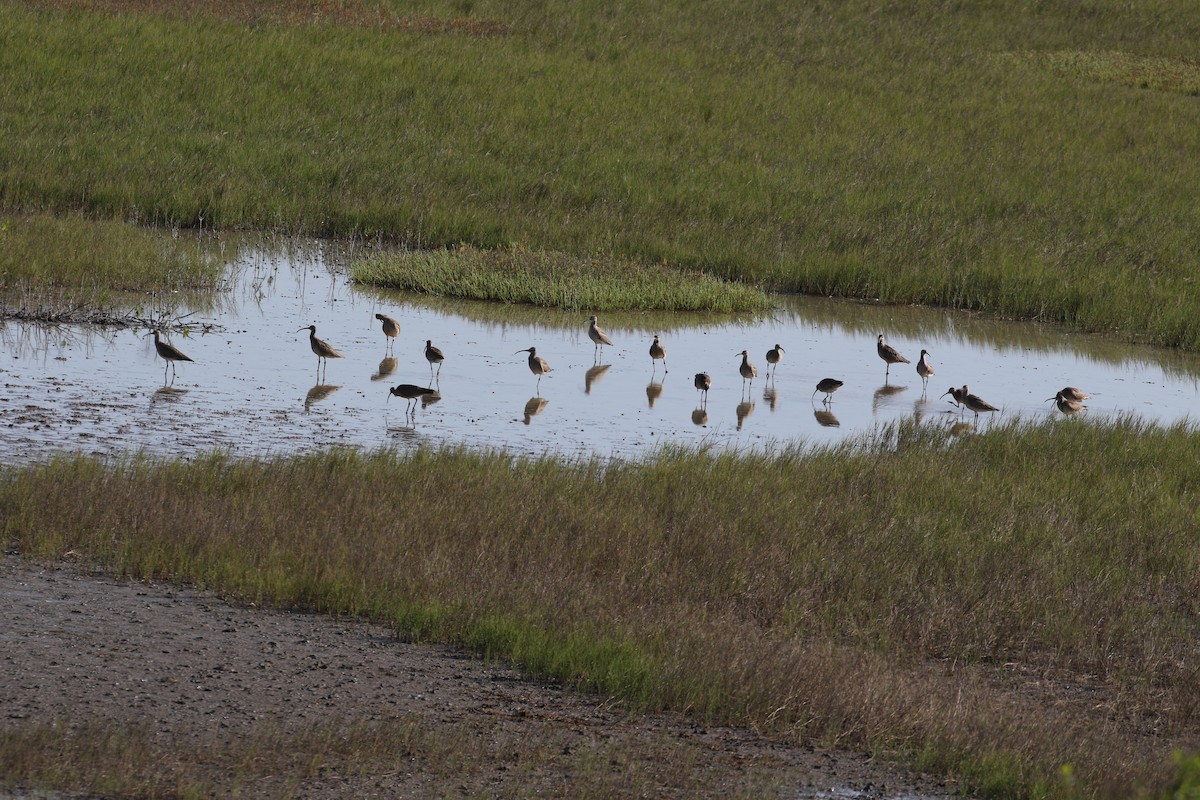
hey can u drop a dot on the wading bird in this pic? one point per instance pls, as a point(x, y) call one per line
point(828, 386)
point(537, 365)
point(596, 335)
point(889, 354)
point(1074, 395)
point(924, 368)
point(320, 347)
point(1065, 404)
point(391, 328)
point(774, 356)
point(748, 371)
point(168, 353)
point(703, 382)
point(433, 356)
point(975, 402)
point(657, 353)
point(411, 393)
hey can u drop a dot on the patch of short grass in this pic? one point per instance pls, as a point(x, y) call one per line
point(556, 280)
point(1005, 603)
point(1160, 73)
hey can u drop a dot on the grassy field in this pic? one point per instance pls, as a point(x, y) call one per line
point(1032, 162)
point(1013, 607)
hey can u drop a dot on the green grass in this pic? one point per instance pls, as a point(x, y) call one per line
point(555, 280)
point(996, 607)
point(913, 153)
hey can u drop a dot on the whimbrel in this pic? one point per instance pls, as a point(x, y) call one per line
point(975, 402)
point(433, 356)
point(828, 386)
point(168, 353)
point(703, 382)
point(537, 365)
point(596, 335)
point(889, 354)
point(320, 347)
point(391, 328)
point(1074, 395)
point(1065, 404)
point(748, 371)
point(658, 352)
point(924, 368)
point(774, 356)
point(411, 393)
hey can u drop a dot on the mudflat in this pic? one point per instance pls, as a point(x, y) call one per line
point(231, 698)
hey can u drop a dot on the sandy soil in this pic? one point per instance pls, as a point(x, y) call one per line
point(192, 672)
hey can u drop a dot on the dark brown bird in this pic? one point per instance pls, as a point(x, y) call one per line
point(774, 356)
point(319, 346)
point(828, 386)
point(703, 382)
point(410, 392)
point(433, 356)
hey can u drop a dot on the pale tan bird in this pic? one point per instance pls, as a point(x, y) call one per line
point(319, 346)
point(828, 386)
point(537, 365)
point(924, 368)
point(391, 328)
point(1065, 404)
point(658, 353)
point(889, 354)
point(1074, 395)
point(168, 353)
point(774, 356)
point(596, 335)
point(703, 382)
point(434, 356)
point(748, 371)
point(974, 402)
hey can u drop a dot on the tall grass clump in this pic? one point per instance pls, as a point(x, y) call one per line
point(555, 280)
point(996, 607)
point(910, 153)
point(88, 261)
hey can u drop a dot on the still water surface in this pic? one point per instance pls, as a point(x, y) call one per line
point(254, 388)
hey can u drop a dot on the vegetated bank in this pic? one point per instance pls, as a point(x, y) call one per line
point(1017, 607)
point(1032, 163)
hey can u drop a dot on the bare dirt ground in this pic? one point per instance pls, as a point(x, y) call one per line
point(199, 681)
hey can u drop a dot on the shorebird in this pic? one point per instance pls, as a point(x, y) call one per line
point(1074, 395)
point(1067, 405)
point(657, 352)
point(774, 356)
point(411, 393)
point(924, 368)
point(748, 371)
point(889, 354)
point(828, 386)
point(596, 335)
point(168, 353)
point(703, 382)
point(956, 395)
point(391, 328)
point(975, 402)
point(320, 347)
point(433, 356)
point(537, 365)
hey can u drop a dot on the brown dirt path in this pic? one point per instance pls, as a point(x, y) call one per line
point(197, 680)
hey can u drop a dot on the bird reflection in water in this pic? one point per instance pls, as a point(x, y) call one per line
point(166, 394)
point(825, 418)
point(534, 407)
point(962, 429)
point(318, 393)
point(653, 392)
point(744, 409)
point(771, 395)
point(592, 375)
point(386, 367)
point(700, 416)
point(882, 394)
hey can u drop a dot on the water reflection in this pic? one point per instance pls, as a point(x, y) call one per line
point(318, 393)
point(744, 409)
point(386, 367)
point(879, 398)
point(700, 416)
point(592, 375)
point(825, 418)
point(771, 396)
point(166, 394)
point(653, 392)
point(534, 406)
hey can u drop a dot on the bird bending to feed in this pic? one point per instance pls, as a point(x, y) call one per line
point(1074, 395)
point(956, 395)
point(748, 371)
point(1065, 404)
point(168, 353)
point(657, 352)
point(974, 402)
point(924, 368)
point(537, 365)
point(319, 346)
point(391, 328)
point(774, 356)
point(889, 354)
point(596, 335)
point(411, 393)
point(434, 356)
point(828, 386)
point(703, 382)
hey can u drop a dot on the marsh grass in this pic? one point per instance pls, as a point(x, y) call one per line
point(855, 149)
point(73, 269)
point(997, 606)
point(555, 280)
